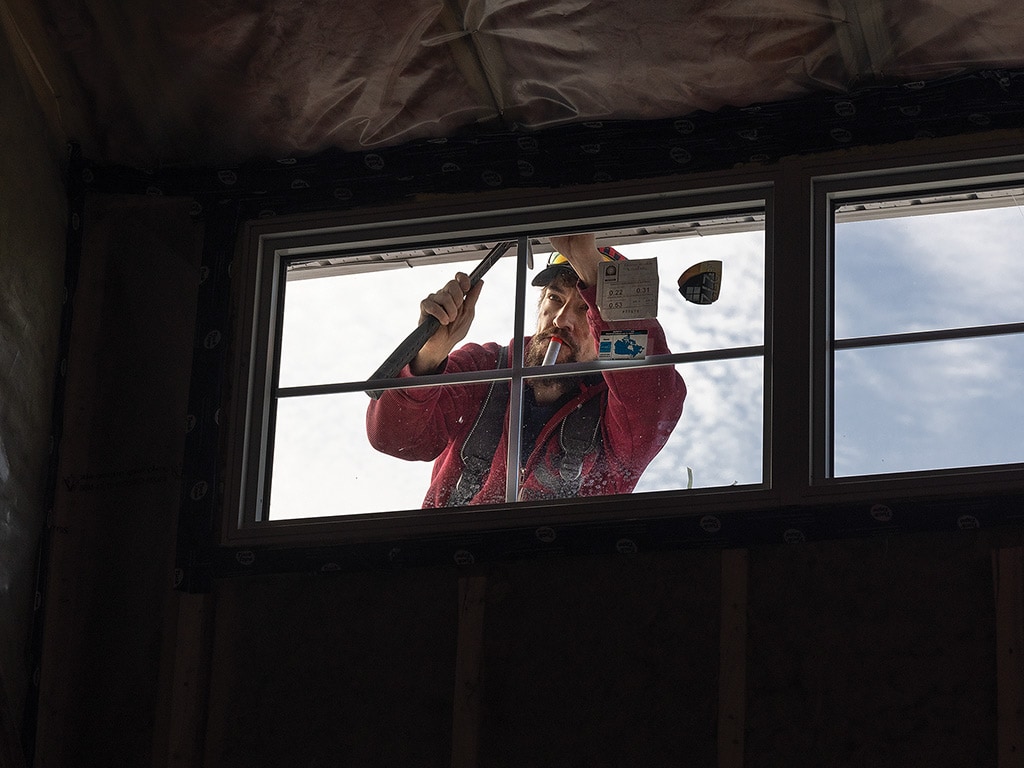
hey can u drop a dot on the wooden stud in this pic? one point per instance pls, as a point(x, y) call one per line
point(468, 668)
point(189, 682)
point(1008, 567)
point(732, 676)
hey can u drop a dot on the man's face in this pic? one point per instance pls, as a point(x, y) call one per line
point(562, 312)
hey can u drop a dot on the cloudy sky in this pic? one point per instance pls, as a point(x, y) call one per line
point(940, 404)
point(919, 406)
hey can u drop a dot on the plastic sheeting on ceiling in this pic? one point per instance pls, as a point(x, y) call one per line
point(224, 81)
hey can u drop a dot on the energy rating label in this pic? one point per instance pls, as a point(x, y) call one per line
point(628, 290)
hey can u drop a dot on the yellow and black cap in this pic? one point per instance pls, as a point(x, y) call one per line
point(557, 263)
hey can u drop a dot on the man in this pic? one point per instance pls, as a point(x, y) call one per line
point(582, 435)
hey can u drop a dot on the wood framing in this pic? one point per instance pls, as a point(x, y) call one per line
point(732, 679)
point(1008, 567)
point(189, 684)
point(468, 669)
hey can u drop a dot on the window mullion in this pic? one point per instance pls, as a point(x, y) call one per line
point(789, 329)
point(515, 409)
point(917, 337)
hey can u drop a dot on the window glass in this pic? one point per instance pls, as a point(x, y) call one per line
point(737, 318)
point(929, 406)
point(341, 327)
point(337, 326)
point(323, 464)
point(719, 441)
point(946, 274)
point(924, 272)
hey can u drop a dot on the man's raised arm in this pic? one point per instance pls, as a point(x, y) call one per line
point(581, 252)
point(454, 306)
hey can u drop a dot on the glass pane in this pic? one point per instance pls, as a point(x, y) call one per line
point(323, 463)
point(736, 319)
point(928, 272)
point(929, 406)
point(719, 440)
point(341, 328)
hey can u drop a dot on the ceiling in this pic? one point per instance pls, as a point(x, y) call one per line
point(155, 83)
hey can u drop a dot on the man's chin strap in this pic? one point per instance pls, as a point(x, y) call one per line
point(578, 435)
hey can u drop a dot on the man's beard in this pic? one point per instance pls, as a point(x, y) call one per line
point(534, 356)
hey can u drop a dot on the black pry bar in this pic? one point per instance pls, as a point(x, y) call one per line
point(413, 343)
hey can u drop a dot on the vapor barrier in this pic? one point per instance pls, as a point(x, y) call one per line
point(173, 83)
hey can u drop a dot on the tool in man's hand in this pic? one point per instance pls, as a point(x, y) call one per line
point(408, 349)
point(700, 284)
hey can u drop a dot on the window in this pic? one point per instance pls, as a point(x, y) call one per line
point(334, 305)
point(867, 343)
point(927, 329)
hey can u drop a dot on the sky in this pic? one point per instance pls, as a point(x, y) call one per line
point(920, 406)
point(941, 404)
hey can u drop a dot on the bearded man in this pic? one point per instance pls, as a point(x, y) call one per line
point(583, 435)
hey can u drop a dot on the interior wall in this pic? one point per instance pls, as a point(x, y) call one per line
point(876, 652)
point(585, 661)
point(115, 510)
point(32, 246)
point(342, 669)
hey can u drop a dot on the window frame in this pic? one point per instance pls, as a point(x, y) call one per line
point(797, 486)
point(829, 193)
point(258, 305)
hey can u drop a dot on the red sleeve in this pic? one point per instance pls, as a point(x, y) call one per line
point(418, 422)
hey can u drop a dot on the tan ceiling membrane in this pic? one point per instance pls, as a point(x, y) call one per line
point(195, 82)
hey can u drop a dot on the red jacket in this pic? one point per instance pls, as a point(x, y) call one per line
point(639, 410)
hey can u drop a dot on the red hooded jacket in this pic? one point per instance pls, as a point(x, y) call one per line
point(639, 410)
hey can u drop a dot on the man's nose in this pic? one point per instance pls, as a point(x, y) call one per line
point(565, 320)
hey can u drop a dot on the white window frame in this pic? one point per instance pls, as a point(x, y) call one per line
point(924, 182)
point(267, 244)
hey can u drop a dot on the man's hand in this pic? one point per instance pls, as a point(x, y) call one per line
point(582, 253)
point(455, 307)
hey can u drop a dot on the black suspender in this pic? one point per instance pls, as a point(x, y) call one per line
point(482, 441)
point(578, 435)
